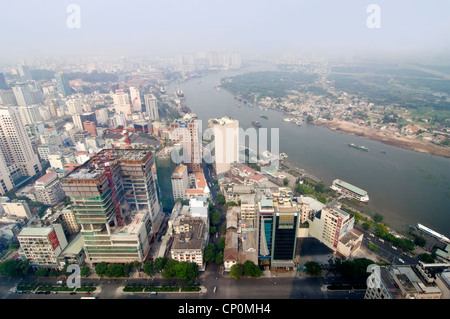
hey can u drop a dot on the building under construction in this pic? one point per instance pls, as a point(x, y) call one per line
point(114, 198)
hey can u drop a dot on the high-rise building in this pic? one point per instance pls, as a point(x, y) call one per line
point(180, 182)
point(122, 102)
point(185, 132)
point(151, 106)
point(23, 94)
point(15, 145)
point(79, 119)
point(48, 189)
point(16, 207)
point(7, 98)
point(24, 73)
point(90, 127)
point(74, 106)
point(63, 85)
point(277, 225)
point(114, 199)
point(226, 143)
point(42, 245)
point(3, 85)
point(136, 104)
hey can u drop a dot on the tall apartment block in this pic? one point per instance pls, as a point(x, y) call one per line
point(3, 84)
point(136, 104)
point(226, 138)
point(48, 189)
point(15, 148)
point(278, 219)
point(42, 245)
point(151, 106)
point(185, 132)
point(180, 182)
point(114, 199)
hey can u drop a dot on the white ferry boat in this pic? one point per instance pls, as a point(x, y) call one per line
point(349, 190)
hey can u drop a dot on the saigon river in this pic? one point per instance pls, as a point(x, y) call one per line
point(404, 186)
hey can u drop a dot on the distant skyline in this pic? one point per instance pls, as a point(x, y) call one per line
point(30, 28)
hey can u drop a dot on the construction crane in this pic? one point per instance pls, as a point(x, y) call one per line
point(105, 162)
point(125, 131)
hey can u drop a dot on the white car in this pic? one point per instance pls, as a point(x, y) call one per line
point(401, 260)
point(393, 247)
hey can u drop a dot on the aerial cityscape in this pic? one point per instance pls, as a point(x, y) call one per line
point(199, 150)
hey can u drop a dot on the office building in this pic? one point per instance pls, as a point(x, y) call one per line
point(23, 94)
point(48, 190)
point(63, 85)
point(7, 98)
point(277, 227)
point(74, 106)
point(120, 190)
point(42, 245)
point(151, 107)
point(226, 143)
point(15, 145)
point(180, 182)
point(185, 133)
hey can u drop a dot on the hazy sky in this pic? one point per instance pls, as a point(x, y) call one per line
point(39, 27)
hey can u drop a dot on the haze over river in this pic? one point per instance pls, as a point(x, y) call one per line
point(404, 186)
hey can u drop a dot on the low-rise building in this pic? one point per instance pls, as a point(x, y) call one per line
point(18, 208)
point(42, 245)
point(420, 281)
point(49, 190)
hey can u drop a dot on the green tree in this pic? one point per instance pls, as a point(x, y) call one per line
point(221, 244)
point(313, 268)
point(192, 270)
point(85, 271)
point(160, 263)
point(237, 271)
point(114, 270)
point(53, 273)
point(41, 272)
point(170, 270)
point(100, 269)
point(216, 217)
point(221, 199)
point(219, 258)
point(149, 268)
point(285, 181)
point(181, 270)
point(15, 268)
point(378, 218)
point(212, 230)
point(250, 269)
point(210, 253)
point(420, 241)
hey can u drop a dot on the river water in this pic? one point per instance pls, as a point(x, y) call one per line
point(404, 186)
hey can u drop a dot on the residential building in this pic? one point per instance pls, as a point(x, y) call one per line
point(3, 84)
point(16, 207)
point(15, 145)
point(151, 107)
point(136, 104)
point(226, 143)
point(48, 189)
point(189, 241)
point(200, 187)
point(185, 133)
point(122, 102)
point(42, 245)
point(7, 98)
point(90, 127)
point(180, 182)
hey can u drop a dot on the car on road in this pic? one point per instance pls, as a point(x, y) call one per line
point(73, 293)
point(382, 240)
point(214, 290)
point(393, 247)
point(401, 260)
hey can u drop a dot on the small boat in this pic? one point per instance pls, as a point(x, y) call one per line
point(359, 147)
point(383, 151)
point(256, 123)
point(264, 117)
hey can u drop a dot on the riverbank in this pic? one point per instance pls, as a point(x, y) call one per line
point(354, 129)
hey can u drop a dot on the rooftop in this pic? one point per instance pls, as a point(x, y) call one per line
point(35, 231)
point(350, 187)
